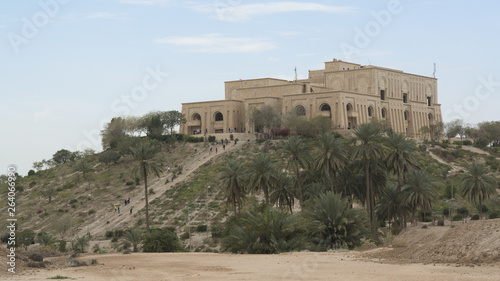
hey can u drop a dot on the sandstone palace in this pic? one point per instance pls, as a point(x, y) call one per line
point(348, 93)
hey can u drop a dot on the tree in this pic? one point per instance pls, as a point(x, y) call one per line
point(144, 153)
point(134, 236)
point(296, 155)
point(267, 231)
point(437, 130)
point(390, 204)
point(368, 149)
point(425, 130)
point(261, 172)
point(80, 243)
point(61, 156)
point(152, 124)
point(282, 193)
point(45, 239)
point(113, 131)
point(478, 184)
point(38, 166)
point(333, 224)
point(233, 183)
point(454, 128)
point(161, 241)
point(109, 157)
point(49, 193)
point(173, 118)
point(330, 157)
point(419, 191)
point(266, 117)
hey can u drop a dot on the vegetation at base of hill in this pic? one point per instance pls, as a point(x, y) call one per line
point(161, 240)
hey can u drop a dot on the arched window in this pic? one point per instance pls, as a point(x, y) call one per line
point(370, 111)
point(430, 116)
point(406, 115)
point(219, 116)
point(325, 107)
point(300, 110)
point(384, 112)
point(348, 107)
point(196, 116)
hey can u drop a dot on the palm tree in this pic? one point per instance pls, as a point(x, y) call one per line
point(419, 191)
point(45, 239)
point(134, 236)
point(330, 157)
point(333, 224)
point(478, 184)
point(283, 194)
point(369, 147)
point(80, 243)
point(261, 173)
point(143, 153)
point(296, 155)
point(390, 204)
point(233, 183)
point(400, 158)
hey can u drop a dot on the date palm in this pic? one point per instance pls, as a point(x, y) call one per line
point(368, 148)
point(330, 157)
point(419, 191)
point(283, 194)
point(134, 236)
point(232, 176)
point(478, 184)
point(261, 173)
point(296, 154)
point(144, 153)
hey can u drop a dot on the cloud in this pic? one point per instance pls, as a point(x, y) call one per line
point(145, 2)
point(42, 115)
point(215, 43)
point(235, 13)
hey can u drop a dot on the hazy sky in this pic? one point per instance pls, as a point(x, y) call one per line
point(68, 66)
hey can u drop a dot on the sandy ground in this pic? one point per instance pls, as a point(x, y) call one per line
point(290, 266)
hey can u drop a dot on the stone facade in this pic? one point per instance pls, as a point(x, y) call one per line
point(348, 93)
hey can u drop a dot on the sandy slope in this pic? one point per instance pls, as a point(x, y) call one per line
point(220, 267)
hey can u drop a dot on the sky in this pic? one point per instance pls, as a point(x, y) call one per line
point(68, 66)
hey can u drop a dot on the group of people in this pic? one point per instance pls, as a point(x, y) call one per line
point(127, 201)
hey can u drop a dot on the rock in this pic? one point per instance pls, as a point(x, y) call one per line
point(36, 256)
point(36, 264)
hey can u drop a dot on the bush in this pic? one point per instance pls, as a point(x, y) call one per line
point(422, 147)
point(474, 217)
point(444, 145)
point(458, 217)
point(31, 173)
point(467, 142)
point(201, 228)
point(195, 139)
point(446, 211)
point(259, 141)
point(161, 240)
point(493, 215)
point(68, 186)
point(62, 246)
point(463, 211)
point(109, 234)
point(211, 139)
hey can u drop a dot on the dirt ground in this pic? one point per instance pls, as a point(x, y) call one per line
point(290, 266)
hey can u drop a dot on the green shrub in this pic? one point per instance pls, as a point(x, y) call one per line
point(129, 183)
point(474, 217)
point(446, 211)
point(201, 228)
point(458, 217)
point(161, 240)
point(231, 137)
point(68, 186)
point(195, 139)
point(62, 246)
point(211, 139)
point(463, 211)
point(422, 147)
point(467, 142)
point(493, 215)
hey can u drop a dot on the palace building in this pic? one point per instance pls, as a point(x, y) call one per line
point(348, 93)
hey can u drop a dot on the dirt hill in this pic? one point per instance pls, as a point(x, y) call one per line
point(472, 243)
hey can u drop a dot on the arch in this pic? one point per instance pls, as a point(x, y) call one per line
point(348, 107)
point(325, 107)
point(219, 116)
point(370, 111)
point(404, 86)
point(336, 83)
point(362, 84)
point(300, 110)
point(196, 116)
point(384, 113)
point(406, 115)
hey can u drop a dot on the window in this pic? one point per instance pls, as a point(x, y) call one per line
point(406, 115)
point(219, 117)
point(300, 110)
point(430, 116)
point(370, 111)
point(348, 107)
point(325, 107)
point(196, 116)
point(405, 98)
point(428, 101)
point(384, 112)
point(382, 94)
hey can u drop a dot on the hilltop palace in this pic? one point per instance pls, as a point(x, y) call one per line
point(348, 93)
